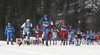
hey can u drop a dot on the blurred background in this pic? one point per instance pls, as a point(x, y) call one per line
point(84, 14)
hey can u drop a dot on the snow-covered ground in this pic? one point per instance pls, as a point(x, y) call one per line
point(51, 50)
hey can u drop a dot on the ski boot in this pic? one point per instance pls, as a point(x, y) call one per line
point(28, 42)
point(12, 43)
point(64, 43)
point(50, 42)
point(56, 42)
point(20, 43)
point(42, 41)
point(47, 44)
point(87, 43)
point(37, 42)
point(73, 42)
point(7, 43)
point(61, 43)
point(53, 43)
point(69, 43)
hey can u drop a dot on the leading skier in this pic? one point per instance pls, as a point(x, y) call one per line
point(45, 28)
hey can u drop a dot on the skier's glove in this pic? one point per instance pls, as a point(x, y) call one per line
point(5, 34)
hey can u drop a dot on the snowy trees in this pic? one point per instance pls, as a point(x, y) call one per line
point(17, 11)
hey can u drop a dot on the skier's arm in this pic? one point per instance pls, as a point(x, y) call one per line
point(41, 27)
point(51, 23)
point(68, 27)
point(6, 30)
point(22, 27)
point(57, 30)
point(39, 22)
point(13, 29)
point(59, 24)
point(31, 27)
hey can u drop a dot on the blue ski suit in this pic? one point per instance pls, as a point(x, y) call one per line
point(88, 37)
point(45, 28)
point(9, 32)
point(72, 34)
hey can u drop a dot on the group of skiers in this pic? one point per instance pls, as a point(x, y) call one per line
point(49, 31)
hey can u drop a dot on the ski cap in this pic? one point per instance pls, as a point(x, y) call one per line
point(28, 20)
point(45, 16)
point(9, 23)
point(78, 28)
point(70, 26)
point(87, 31)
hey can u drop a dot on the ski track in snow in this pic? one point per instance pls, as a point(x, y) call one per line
point(51, 50)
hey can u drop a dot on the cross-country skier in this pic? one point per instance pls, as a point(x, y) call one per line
point(9, 32)
point(63, 26)
point(25, 28)
point(55, 31)
point(79, 35)
point(95, 36)
point(88, 37)
point(37, 34)
point(76, 38)
point(83, 38)
point(71, 38)
point(91, 37)
point(45, 28)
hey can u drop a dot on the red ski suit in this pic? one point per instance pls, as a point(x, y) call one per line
point(63, 29)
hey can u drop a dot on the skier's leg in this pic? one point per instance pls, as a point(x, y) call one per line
point(82, 41)
point(64, 33)
point(43, 37)
point(56, 38)
point(7, 38)
point(73, 40)
point(53, 39)
point(28, 33)
point(92, 42)
point(24, 32)
point(61, 40)
point(80, 38)
point(66, 41)
point(11, 38)
point(77, 40)
point(87, 41)
point(37, 37)
point(47, 31)
point(69, 37)
point(61, 37)
point(49, 35)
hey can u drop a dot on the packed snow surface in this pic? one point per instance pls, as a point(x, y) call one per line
point(51, 50)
